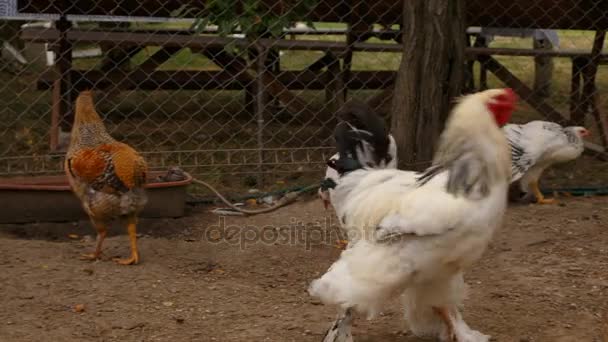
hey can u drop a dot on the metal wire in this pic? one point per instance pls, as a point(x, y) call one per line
point(226, 107)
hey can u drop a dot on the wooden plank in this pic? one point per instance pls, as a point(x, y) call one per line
point(235, 65)
point(602, 122)
point(158, 58)
point(117, 57)
point(324, 61)
point(595, 150)
point(197, 42)
point(212, 80)
point(278, 90)
point(203, 42)
point(525, 92)
point(357, 29)
point(56, 113)
point(473, 52)
point(63, 65)
point(589, 87)
point(548, 14)
point(260, 108)
point(382, 34)
point(577, 112)
point(543, 68)
point(334, 91)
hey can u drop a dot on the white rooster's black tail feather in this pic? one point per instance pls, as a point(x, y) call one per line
point(341, 331)
point(361, 138)
point(468, 175)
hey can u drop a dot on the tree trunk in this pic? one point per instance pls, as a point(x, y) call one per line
point(430, 76)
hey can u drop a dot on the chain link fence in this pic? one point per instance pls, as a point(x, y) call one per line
point(254, 91)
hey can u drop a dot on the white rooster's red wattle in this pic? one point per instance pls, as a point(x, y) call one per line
point(415, 233)
point(536, 146)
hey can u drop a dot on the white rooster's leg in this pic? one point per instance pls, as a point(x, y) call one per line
point(340, 330)
point(444, 313)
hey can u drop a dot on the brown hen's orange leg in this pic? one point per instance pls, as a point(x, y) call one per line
point(101, 235)
point(540, 199)
point(134, 259)
point(445, 317)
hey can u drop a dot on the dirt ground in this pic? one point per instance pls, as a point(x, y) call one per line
point(544, 278)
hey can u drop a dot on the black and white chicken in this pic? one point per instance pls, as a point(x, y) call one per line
point(365, 153)
point(417, 232)
point(536, 146)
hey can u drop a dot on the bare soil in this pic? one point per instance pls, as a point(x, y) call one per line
point(544, 278)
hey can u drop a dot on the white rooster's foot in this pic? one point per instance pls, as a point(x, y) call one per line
point(457, 329)
point(340, 330)
point(462, 332)
point(462, 335)
point(470, 335)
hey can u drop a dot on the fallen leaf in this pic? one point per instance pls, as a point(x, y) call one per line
point(73, 236)
point(79, 308)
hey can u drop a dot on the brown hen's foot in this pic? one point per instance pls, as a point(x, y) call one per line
point(90, 256)
point(101, 235)
point(133, 260)
point(444, 314)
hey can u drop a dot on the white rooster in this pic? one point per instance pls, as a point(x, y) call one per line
point(536, 146)
point(417, 232)
point(365, 153)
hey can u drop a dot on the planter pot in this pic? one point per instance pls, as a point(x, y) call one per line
point(50, 199)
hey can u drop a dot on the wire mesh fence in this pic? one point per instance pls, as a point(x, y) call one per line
point(239, 89)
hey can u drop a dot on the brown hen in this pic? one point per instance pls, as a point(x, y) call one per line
point(106, 175)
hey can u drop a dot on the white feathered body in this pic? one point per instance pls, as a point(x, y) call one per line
point(537, 145)
point(443, 240)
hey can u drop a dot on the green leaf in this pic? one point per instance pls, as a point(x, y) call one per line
point(255, 18)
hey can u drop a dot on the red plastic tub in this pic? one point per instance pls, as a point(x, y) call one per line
point(50, 199)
